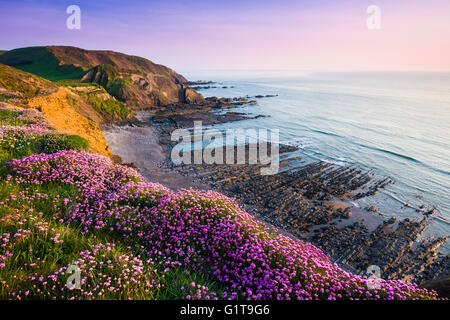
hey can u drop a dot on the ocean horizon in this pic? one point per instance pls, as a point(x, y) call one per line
point(245, 151)
point(394, 124)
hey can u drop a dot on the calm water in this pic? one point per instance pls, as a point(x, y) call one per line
point(397, 124)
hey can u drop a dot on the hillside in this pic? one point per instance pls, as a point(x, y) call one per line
point(65, 205)
point(136, 81)
point(79, 109)
point(65, 209)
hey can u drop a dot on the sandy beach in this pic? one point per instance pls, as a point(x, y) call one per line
point(310, 202)
point(140, 146)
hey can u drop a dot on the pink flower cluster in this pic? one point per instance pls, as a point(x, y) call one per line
point(16, 132)
point(7, 106)
point(198, 292)
point(201, 231)
point(101, 275)
point(9, 94)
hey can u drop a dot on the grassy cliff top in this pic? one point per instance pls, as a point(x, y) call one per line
point(26, 83)
point(71, 107)
point(64, 62)
point(135, 81)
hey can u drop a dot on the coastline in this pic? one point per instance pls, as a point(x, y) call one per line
point(352, 237)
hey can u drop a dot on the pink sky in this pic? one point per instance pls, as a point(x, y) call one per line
point(304, 35)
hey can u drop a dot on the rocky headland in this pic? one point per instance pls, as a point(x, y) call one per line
point(126, 107)
point(307, 201)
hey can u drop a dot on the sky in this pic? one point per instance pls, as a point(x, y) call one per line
point(319, 35)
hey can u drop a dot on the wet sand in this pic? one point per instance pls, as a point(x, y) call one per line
point(140, 147)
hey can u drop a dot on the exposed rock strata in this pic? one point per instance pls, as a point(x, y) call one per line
point(310, 201)
point(300, 200)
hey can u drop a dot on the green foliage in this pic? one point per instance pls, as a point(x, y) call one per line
point(40, 61)
point(22, 83)
point(51, 245)
point(179, 278)
point(4, 156)
point(54, 142)
point(7, 115)
point(107, 107)
point(19, 146)
point(15, 147)
point(115, 86)
point(111, 79)
point(75, 84)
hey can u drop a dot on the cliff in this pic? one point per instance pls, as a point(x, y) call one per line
point(136, 81)
point(63, 206)
point(67, 109)
point(132, 239)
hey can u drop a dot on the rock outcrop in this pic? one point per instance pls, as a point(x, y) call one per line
point(191, 96)
point(136, 81)
point(65, 108)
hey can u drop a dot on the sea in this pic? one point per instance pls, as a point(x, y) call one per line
point(395, 124)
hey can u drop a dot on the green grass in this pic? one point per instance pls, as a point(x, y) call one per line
point(54, 142)
point(112, 82)
point(8, 115)
point(50, 244)
point(21, 146)
point(107, 107)
point(4, 156)
point(75, 84)
point(115, 86)
point(40, 61)
point(14, 80)
point(38, 254)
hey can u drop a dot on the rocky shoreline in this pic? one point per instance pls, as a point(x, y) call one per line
point(308, 201)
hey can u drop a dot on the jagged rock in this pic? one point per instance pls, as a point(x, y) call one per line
point(191, 96)
point(137, 81)
point(296, 200)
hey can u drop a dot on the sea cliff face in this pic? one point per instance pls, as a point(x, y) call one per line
point(63, 199)
point(63, 206)
point(62, 114)
point(136, 81)
point(65, 108)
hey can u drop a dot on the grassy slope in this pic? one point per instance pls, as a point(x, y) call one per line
point(112, 70)
point(36, 243)
point(27, 84)
point(70, 106)
point(41, 62)
point(133, 239)
point(102, 102)
point(78, 207)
